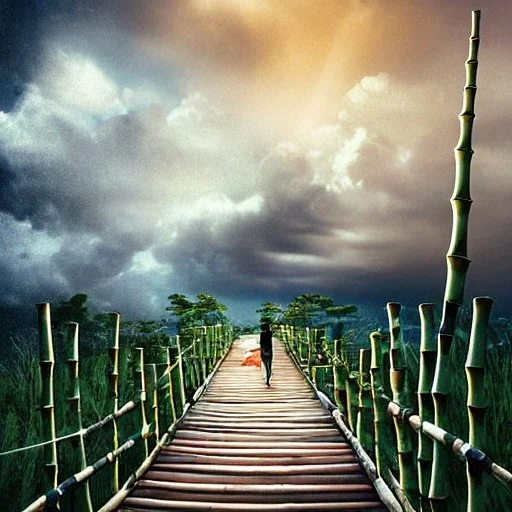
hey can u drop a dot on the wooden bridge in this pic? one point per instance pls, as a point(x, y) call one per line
point(244, 446)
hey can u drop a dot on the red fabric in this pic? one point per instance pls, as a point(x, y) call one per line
point(253, 358)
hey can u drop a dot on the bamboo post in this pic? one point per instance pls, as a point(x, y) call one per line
point(364, 409)
point(47, 363)
point(181, 376)
point(114, 394)
point(203, 353)
point(428, 354)
point(172, 390)
point(350, 386)
point(339, 372)
point(151, 377)
point(379, 404)
point(141, 380)
point(401, 395)
point(74, 406)
point(477, 402)
point(457, 266)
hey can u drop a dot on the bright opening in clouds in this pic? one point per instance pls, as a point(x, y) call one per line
point(249, 149)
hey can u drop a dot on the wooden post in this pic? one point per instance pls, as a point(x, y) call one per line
point(379, 404)
point(457, 265)
point(477, 402)
point(114, 394)
point(401, 395)
point(47, 363)
point(428, 354)
point(71, 341)
point(364, 410)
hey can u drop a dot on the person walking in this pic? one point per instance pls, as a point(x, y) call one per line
point(266, 348)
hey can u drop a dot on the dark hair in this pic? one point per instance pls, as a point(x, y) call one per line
point(265, 327)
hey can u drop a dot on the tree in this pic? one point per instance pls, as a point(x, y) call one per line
point(75, 309)
point(310, 308)
point(206, 311)
point(269, 312)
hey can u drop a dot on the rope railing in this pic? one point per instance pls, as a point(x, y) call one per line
point(167, 386)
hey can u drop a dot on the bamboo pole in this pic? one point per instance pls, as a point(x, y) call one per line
point(114, 394)
point(181, 377)
point(428, 354)
point(477, 402)
point(151, 377)
point(47, 363)
point(140, 377)
point(457, 266)
point(364, 403)
point(401, 395)
point(172, 390)
point(71, 341)
point(379, 405)
point(339, 372)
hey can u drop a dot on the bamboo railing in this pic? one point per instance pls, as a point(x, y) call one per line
point(171, 381)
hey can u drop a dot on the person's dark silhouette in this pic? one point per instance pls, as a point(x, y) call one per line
point(266, 351)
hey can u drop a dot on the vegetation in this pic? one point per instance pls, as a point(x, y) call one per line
point(269, 313)
point(312, 309)
point(207, 310)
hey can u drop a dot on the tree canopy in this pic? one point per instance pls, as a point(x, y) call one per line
point(269, 312)
point(207, 310)
point(312, 308)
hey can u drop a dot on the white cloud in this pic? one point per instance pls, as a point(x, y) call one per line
point(76, 82)
point(368, 86)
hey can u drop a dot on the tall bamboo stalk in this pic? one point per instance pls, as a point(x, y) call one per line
point(428, 354)
point(379, 404)
point(114, 393)
point(457, 266)
point(47, 363)
point(477, 402)
point(401, 395)
point(74, 406)
point(364, 409)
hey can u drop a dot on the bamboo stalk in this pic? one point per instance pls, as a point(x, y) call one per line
point(47, 363)
point(401, 395)
point(477, 402)
point(379, 405)
point(172, 390)
point(71, 341)
point(339, 371)
point(151, 376)
point(114, 394)
point(457, 266)
point(428, 354)
point(140, 377)
point(181, 377)
point(364, 409)
point(350, 386)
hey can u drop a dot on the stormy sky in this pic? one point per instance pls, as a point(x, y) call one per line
point(253, 149)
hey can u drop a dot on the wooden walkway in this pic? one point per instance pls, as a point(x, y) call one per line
point(247, 447)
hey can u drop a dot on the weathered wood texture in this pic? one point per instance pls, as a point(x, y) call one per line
point(244, 446)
